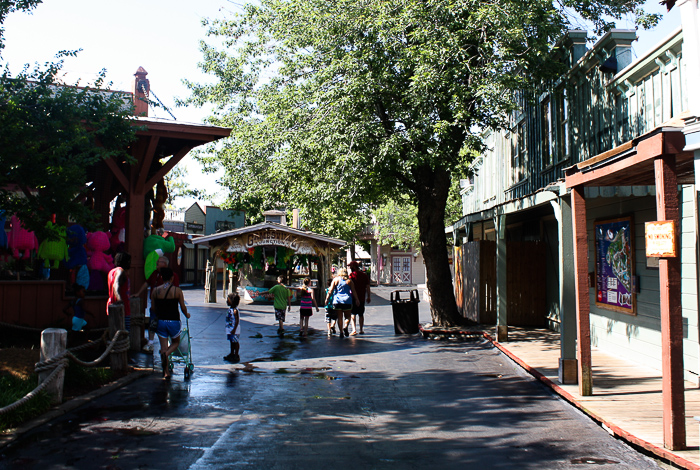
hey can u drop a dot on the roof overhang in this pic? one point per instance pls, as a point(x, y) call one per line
point(632, 163)
point(266, 234)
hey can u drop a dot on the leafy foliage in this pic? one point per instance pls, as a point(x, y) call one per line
point(52, 137)
point(178, 187)
point(336, 105)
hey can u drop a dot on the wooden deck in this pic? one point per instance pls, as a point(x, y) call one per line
point(626, 396)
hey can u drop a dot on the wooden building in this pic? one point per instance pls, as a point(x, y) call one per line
point(558, 238)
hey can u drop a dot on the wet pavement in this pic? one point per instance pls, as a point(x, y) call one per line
point(377, 400)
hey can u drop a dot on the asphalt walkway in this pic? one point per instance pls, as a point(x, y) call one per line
point(627, 398)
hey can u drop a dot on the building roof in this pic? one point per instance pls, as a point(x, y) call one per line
point(221, 237)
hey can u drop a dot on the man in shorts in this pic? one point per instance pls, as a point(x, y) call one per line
point(281, 300)
point(361, 281)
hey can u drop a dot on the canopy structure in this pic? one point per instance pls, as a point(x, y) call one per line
point(269, 235)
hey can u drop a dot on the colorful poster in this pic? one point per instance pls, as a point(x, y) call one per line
point(614, 265)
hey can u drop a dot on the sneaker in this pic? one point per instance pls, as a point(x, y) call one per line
point(333, 329)
point(148, 347)
point(346, 332)
point(354, 333)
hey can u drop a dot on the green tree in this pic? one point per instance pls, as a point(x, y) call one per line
point(178, 187)
point(52, 136)
point(336, 104)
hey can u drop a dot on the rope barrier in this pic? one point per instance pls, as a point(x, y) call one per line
point(20, 327)
point(60, 362)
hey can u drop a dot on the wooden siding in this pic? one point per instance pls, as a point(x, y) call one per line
point(40, 304)
point(639, 336)
point(604, 111)
point(526, 280)
point(479, 263)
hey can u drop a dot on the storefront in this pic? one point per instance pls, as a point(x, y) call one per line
point(258, 254)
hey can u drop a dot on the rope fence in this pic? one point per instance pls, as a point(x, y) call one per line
point(60, 362)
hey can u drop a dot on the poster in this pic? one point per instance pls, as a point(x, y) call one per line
point(614, 265)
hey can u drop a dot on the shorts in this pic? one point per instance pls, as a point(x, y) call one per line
point(280, 315)
point(331, 315)
point(169, 328)
point(151, 319)
point(233, 337)
point(342, 306)
point(358, 309)
point(306, 312)
point(78, 323)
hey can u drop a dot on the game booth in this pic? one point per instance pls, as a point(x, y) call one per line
point(255, 255)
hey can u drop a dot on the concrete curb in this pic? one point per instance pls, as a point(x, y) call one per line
point(7, 439)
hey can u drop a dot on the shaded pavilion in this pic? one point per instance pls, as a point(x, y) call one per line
point(271, 235)
point(159, 145)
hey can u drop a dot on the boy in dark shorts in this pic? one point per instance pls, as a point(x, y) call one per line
point(281, 299)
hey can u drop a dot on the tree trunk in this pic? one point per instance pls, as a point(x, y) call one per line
point(431, 193)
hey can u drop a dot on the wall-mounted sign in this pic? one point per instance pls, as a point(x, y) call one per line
point(660, 239)
point(195, 227)
point(614, 265)
point(224, 225)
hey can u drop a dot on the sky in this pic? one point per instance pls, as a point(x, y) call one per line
point(163, 37)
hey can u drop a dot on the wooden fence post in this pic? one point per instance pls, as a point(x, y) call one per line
point(53, 343)
point(118, 361)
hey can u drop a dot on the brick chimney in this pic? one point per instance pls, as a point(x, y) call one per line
point(141, 90)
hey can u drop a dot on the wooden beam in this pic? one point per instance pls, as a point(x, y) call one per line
point(146, 162)
point(583, 302)
point(118, 173)
point(671, 316)
point(174, 160)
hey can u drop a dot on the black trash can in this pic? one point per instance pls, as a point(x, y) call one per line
point(404, 306)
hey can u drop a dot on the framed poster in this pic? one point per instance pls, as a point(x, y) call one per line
point(614, 265)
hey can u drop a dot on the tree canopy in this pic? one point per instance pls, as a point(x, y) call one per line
point(52, 135)
point(337, 105)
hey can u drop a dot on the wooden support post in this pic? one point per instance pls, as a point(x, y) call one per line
point(501, 281)
point(118, 361)
point(136, 332)
point(583, 301)
point(671, 316)
point(53, 343)
point(568, 365)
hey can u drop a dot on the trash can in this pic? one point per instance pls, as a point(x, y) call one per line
point(404, 306)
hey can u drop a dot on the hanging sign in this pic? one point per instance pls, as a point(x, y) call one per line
point(274, 238)
point(614, 265)
point(660, 239)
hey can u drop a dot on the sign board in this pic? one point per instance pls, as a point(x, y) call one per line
point(614, 265)
point(243, 243)
point(660, 239)
point(195, 227)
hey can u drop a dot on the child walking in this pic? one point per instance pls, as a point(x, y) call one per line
point(331, 316)
point(233, 327)
point(281, 300)
point(306, 301)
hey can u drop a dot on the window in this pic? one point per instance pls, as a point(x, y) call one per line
point(563, 143)
point(519, 153)
point(547, 137)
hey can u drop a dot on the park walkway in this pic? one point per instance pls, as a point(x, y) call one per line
point(626, 396)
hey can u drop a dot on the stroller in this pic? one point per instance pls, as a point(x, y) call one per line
point(183, 353)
